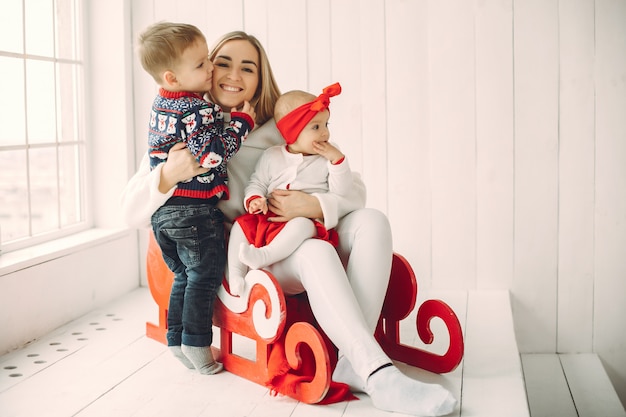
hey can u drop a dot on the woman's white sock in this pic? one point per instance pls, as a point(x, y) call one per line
point(391, 390)
point(202, 359)
point(344, 373)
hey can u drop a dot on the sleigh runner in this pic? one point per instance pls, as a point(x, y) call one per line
point(292, 355)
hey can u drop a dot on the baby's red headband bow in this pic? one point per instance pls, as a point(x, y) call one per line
point(293, 122)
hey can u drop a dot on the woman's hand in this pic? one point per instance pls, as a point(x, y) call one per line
point(179, 166)
point(287, 204)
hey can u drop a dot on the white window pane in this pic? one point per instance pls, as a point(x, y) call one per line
point(70, 184)
point(12, 111)
point(44, 194)
point(42, 155)
point(67, 102)
point(39, 27)
point(40, 105)
point(13, 195)
point(11, 29)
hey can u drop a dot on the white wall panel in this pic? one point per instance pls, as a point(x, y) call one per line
point(223, 16)
point(319, 47)
point(201, 13)
point(255, 18)
point(144, 87)
point(452, 142)
point(408, 133)
point(171, 11)
point(576, 177)
point(286, 43)
point(494, 143)
point(144, 90)
point(610, 191)
point(346, 51)
point(374, 103)
point(536, 173)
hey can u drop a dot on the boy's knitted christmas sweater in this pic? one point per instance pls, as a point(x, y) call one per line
point(187, 117)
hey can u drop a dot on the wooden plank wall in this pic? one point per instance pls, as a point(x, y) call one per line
point(491, 132)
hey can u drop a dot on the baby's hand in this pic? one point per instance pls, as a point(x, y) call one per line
point(258, 205)
point(328, 151)
point(248, 109)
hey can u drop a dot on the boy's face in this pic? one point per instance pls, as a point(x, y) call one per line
point(315, 131)
point(194, 70)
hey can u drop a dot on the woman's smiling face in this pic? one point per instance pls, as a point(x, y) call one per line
point(236, 74)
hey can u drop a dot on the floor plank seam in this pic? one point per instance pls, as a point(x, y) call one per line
point(567, 382)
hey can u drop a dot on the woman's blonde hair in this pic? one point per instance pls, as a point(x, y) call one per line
point(162, 44)
point(267, 92)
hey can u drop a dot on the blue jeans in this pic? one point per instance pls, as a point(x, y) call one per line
point(191, 238)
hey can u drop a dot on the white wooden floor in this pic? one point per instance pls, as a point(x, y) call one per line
point(103, 365)
point(569, 385)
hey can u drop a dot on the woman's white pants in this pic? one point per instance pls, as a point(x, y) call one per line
point(346, 292)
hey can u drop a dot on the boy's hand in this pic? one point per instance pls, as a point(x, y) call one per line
point(328, 151)
point(248, 109)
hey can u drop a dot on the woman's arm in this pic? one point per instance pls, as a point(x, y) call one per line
point(326, 207)
point(148, 190)
point(179, 166)
point(287, 204)
point(335, 206)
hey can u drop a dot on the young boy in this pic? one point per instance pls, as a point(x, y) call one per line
point(309, 163)
point(189, 228)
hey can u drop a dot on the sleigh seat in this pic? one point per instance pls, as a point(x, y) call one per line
point(292, 355)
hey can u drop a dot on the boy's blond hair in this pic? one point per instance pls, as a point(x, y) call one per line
point(290, 101)
point(162, 44)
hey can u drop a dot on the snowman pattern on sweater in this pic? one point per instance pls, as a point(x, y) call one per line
point(186, 117)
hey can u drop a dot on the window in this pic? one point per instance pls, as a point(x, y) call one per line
point(42, 144)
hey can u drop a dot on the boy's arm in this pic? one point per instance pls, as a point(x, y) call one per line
point(208, 139)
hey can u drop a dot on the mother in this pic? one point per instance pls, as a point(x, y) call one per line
point(346, 292)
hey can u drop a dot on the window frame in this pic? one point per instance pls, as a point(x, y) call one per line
point(78, 114)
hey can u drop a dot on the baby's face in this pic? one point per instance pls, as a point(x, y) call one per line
point(314, 131)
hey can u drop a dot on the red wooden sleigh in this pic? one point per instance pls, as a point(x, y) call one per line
point(264, 315)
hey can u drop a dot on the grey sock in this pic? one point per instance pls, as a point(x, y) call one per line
point(202, 359)
point(178, 354)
